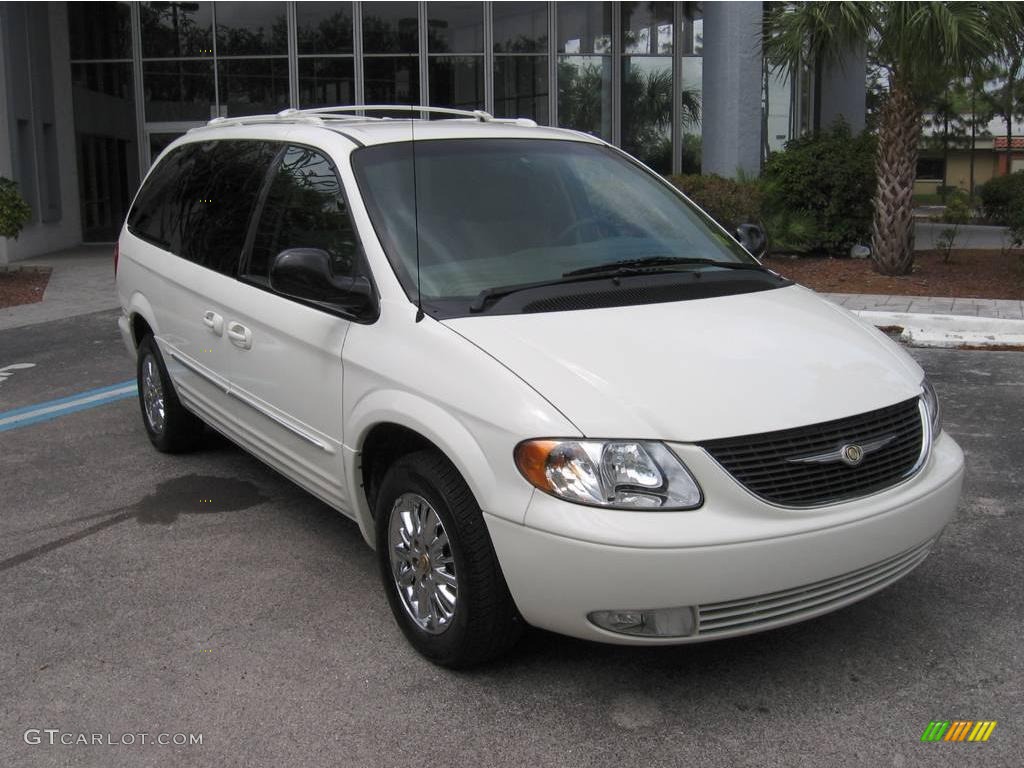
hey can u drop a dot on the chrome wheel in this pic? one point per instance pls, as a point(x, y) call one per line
point(153, 395)
point(422, 564)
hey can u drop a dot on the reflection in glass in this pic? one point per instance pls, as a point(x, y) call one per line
point(692, 85)
point(585, 94)
point(391, 80)
point(520, 27)
point(457, 81)
point(521, 87)
point(110, 79)
point(326, 82)
point(178, 90)
point(455, 27)
point(106, 143)
point(647, 110)
point(584, 28)
point(390, 27)
point(324, 27)
point(253, 86)
point(172, 29)
point(251, 29)
point(647, 29)
point(100, 30)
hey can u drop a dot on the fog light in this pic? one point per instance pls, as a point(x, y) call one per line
point(660, 622)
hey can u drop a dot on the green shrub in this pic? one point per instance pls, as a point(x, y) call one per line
point(1002, 197)
point(728, 202)
point(825, 183)
point(957, 213)
point(14, 211)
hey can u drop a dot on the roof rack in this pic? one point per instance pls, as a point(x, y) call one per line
point(352, 112)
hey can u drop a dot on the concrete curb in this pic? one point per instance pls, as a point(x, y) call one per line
point(923, 330)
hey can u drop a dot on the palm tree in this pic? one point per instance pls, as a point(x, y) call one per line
point(921, 47)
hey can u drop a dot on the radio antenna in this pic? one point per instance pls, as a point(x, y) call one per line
point(416, 220)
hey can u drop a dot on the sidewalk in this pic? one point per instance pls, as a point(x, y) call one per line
point(82, 282)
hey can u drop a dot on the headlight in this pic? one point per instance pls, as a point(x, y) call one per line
point(617, 474)
point(931, 404)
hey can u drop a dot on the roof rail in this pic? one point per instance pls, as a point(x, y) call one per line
point(350, 112)
point(476, 114)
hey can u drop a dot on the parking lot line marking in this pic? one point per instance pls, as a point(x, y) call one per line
point(52, 409)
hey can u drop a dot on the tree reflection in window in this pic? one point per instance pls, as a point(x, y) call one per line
point(304, 209)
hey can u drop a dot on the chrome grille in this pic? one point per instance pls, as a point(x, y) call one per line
point(792, 605)
point(791, 467)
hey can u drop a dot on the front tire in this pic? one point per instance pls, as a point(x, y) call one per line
point(438, 565)
point(170, 427)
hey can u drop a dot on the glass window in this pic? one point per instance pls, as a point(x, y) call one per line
point(647, 29)
point(178, 90)
point(585, 94)
point(324, 27)
point(251, 29)
point(647, 110)
point(551, 207)
point(109, 79)
point(326, 82)
point(390, 27)
point(304, 209)
point(158, 142)
point(521, 87)
point(455, 27)
point(692, 109)
point(457, 81)
point(100, 30)
point(174, 29)
point(218, 227)
point(391, 80)
point(520, 27)
point(253, 86)
point(585, 28)
point(156, 215)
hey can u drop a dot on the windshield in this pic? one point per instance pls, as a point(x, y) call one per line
point(501, 212)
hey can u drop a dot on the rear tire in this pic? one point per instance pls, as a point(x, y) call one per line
point(170, 427)
point(439, 568)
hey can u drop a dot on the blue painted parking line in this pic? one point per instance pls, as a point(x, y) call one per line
point(53, 409)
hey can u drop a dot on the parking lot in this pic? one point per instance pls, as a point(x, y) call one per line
point(203, 594)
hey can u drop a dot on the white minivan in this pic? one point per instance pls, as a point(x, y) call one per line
point(547, 387)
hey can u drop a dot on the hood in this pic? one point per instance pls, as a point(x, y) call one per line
point(702, 369)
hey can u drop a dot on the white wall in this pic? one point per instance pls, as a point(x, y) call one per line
point(38, 238)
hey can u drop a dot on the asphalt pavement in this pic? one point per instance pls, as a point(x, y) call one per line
point(206, 595)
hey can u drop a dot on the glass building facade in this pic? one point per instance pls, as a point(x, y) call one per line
point(143, 73)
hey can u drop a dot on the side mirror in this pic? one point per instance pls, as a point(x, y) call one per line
point(753, 238)
point(306, 274)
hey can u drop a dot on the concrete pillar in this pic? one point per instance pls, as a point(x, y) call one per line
point(843, 90)
point(731, 124)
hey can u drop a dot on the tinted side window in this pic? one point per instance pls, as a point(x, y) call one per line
point(157, 209)
point(304, 209)
point(198, 201)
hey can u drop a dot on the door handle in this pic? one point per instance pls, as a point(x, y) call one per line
point(240, 335)
point(213, 321)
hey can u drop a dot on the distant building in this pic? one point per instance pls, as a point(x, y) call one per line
point(953, 167)
point(94, 91)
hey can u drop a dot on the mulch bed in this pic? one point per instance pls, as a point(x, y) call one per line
point(23, 286)
point(970, 273)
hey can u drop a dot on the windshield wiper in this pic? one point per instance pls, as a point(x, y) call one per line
point(655, 264)
point(504, 290)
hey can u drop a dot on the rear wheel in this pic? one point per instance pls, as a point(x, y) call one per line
point(439, 568)
point(170, 427)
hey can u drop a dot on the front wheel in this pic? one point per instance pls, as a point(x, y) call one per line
point(438, 565)
point(170, 427)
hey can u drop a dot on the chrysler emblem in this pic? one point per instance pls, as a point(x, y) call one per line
point(850, 454)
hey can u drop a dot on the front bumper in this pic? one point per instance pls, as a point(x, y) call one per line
point(792, 565)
